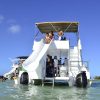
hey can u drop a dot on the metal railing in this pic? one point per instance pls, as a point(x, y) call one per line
point(79, 64)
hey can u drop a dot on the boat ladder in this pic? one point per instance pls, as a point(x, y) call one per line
point(48, 80)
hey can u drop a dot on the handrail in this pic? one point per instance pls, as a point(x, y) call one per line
point(83, 63)
point(72, 73)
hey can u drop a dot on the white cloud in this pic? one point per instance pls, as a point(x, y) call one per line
point(14, 28)
point(1, 19)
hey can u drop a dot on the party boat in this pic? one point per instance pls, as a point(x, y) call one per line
point(71, 69)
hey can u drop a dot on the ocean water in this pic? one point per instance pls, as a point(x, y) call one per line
point(10, 91)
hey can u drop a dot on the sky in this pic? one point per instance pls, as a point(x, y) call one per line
point(17, 27)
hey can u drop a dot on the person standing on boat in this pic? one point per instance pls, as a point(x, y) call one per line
point(49, 66)
point(49, 36)
point(16, 72)
point(47, 39)
point(60, 35)
point(55, 65)
point(66, 64)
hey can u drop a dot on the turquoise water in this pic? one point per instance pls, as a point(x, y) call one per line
point(10, 91)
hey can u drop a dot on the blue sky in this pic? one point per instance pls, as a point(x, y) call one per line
point(17, 19)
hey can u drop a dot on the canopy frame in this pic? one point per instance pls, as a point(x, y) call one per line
point(46, 27)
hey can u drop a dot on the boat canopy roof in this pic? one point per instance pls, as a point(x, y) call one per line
point(46, 27)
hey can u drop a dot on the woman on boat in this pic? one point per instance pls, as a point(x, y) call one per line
point(55, 65)
point(47, 39)
point(49, 66)
point(49, 36)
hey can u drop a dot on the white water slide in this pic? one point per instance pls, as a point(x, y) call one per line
point(36, 49)
point(40, 49)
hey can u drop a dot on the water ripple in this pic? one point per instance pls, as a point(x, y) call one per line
point(9, 91)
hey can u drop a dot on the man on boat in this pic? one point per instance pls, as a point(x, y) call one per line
point(60, 35)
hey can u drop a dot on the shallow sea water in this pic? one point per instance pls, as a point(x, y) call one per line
point(10, 91)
